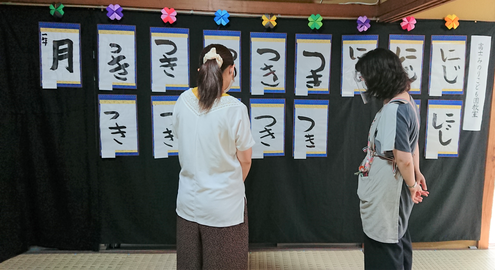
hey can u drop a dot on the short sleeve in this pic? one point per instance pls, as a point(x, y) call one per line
point(243, 137)
point(394, 129)
point(403, 130)
point(386, 128)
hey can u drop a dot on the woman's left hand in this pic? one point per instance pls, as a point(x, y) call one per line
point(420, 178)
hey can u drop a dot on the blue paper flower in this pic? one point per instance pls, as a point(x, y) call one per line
point(222, 17)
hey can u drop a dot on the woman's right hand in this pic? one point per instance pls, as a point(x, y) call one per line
point(417, 193)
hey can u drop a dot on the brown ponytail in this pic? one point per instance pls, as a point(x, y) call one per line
point(210, 82)
point(210, 79)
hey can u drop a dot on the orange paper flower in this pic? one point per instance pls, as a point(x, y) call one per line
point(451, 21)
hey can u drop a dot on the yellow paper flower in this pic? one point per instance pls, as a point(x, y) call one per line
point(269, 20)
point(452, 21)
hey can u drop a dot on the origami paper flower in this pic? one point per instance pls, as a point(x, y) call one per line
point(114, 12)
point(315, 21)
point(408, 23)
point(57, 10)
point(452, 21)
point(168, 15)
point(363, 23)
point(222, 17)
point(269, 21)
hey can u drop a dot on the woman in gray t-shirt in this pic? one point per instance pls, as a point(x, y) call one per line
point(390, 181)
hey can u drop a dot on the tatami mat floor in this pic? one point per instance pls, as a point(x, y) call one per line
point(306, 259)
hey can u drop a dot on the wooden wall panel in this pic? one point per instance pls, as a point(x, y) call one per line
point(243, 7)
point(394, 10)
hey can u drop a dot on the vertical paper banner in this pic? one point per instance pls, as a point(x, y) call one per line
point(231, 40)
point(310, 128)
point(164, 141)
point(476, 86)
point(169, 59)
point(410, 50)
point(268, 53)
point(60, 55)
point(118, 125)
point(353, 47)
point(443, 128)
point(116, 56)
point(418, 105)
point(447, 65)
point(312, 73)
point(268, 127)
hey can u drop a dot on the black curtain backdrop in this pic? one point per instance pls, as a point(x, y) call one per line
point(48, 180)
point(56, 191)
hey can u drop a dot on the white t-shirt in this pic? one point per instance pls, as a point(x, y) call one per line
point(211, 190)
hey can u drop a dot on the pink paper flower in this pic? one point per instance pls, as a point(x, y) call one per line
point(168, 15)
point(408, 23)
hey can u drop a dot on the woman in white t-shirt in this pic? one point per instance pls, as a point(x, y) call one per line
point(214, 135)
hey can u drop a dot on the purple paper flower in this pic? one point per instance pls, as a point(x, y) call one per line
point(115, 12)
point(363, 23)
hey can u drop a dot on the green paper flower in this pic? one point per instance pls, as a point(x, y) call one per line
point(315, 21)
point(57, 10)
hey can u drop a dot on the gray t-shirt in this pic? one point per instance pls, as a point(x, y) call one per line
point(404, 129)
point(405, 140)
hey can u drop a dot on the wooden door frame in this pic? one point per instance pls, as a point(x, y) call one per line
point(486, 212)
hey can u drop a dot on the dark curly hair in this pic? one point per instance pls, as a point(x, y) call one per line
point(383, 74)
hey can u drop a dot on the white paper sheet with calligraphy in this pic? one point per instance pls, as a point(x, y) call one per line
point(476, 86)
point(443, 128)
point(116, 56)
point(60, 55)
point(447, 65)
point(312, 73)
point(310, 128)
point(410, 50)
point(164, 141)
point(268, 127)
point(118, 125)
point(353, 47)
point(231, 40)
point(169, 59)
point(268, 60)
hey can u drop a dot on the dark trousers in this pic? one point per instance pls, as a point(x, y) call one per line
point(215, 248)
point(383, 256)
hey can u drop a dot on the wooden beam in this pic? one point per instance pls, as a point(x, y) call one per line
point(462, 244)
point(233, 6)
point(486, 210)
point(394, 10)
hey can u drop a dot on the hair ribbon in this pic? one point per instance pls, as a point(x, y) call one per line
point(212, 54)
